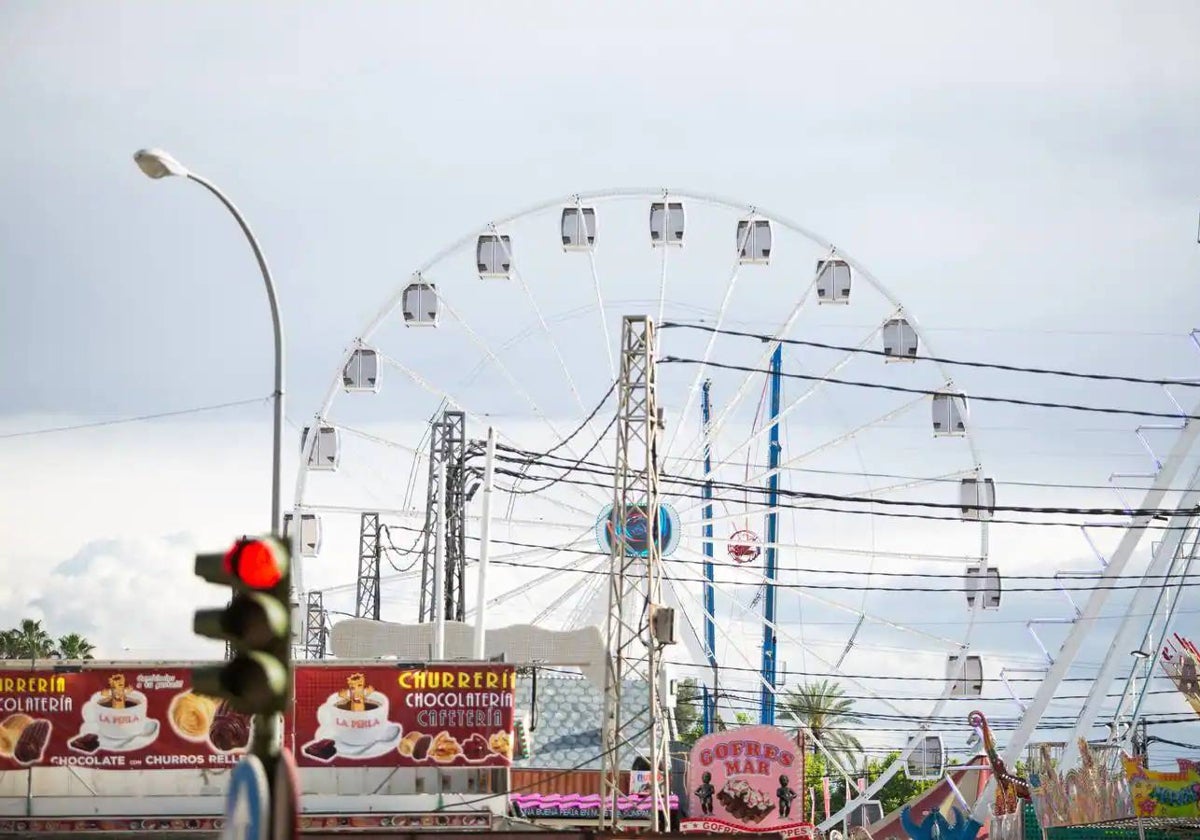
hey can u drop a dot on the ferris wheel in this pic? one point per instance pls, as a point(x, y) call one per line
point(797, 420)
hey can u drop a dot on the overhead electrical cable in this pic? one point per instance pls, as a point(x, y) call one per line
point(137, 419)
point(1131, 412)
point(1102, 377)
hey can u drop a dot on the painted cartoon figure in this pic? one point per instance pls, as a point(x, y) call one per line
point(785, 795)
point(115, 695)
point(356, 692)
point(706, 792)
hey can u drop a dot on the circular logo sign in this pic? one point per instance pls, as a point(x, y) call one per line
point(744, 546)
point(636, 530)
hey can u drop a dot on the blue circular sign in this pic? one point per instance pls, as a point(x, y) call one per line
point(636, 530)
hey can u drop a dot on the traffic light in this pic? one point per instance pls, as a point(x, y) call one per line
point(257, 623)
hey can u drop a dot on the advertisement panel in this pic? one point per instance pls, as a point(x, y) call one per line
point(379, 716)
point(748, 779)
point(147, 717)
point(115, 719)
point(1161, 794)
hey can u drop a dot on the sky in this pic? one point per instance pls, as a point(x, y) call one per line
point(1023, 177)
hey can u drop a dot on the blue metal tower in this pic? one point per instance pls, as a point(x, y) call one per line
point(710, 632)
point(769, 647)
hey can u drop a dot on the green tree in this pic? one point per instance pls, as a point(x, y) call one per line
point(829, 715)
point(32, 640)
point(689, 722)
point(29, 640)
point(75, 646)
point(9, 644)
point(898, 789)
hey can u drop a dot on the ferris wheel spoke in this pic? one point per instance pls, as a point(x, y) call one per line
point(662, 296)
point(512, 380)
point(916, 482)
point(739, 648)
point(553, 574)
point(549, 334)
point(727, 408)
point(950, 559)
point(787, 410)
point(855, 611)
point(418, 380)
point(847, 437)
point(608, 341)
point(593, 572)
point(712, 337)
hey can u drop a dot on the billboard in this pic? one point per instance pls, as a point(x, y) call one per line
point(435, 716)
point(748, 779)
point(115, 719)
point(1166, 795)
point(147, 717)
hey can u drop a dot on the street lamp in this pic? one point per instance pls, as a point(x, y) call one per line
point(158, 164)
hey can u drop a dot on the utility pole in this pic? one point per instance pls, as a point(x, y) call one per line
point(639, 623)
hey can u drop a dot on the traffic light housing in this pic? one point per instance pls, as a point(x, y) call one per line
point(257, 623)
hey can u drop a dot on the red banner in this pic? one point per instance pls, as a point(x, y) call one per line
point(126, 719)
point(147, 718)
point(437, 716)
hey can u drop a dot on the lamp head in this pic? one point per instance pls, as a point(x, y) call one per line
point(158, 164)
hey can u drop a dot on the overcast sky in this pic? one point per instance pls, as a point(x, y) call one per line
point(1024, 176)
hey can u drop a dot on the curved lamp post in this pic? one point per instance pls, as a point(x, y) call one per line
point(158, 164)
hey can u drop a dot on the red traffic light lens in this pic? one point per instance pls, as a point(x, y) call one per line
point(254, 564)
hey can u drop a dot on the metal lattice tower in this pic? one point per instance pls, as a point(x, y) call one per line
point(447, 444)
point(635, 581)
point(314, 627)
point(366, 604)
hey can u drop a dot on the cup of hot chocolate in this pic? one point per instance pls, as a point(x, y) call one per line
point(119, 720)
point(356, 727)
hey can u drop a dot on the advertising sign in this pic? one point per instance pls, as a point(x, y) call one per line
point(149, 718)
point(1158, 794)
point(437, 716)
point(125, 719)
point(747, 780)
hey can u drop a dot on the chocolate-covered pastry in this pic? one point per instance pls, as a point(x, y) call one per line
point(230, 729)
point(32, 742)
point(323, 750)
point(475, 748)
point(421, 748)
point(88, 743)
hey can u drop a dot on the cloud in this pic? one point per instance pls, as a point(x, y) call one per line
point(132, 598)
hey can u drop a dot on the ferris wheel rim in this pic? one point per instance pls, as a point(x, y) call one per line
point(394, 301)
point(576, 198)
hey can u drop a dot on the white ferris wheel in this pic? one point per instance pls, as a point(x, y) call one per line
point(797, 424)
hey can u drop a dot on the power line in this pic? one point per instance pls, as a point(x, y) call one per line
point(1188, 580)
point(927, 392)
point(740, 487)
point(1103, 377)
point(137, 419)
point(871, 501)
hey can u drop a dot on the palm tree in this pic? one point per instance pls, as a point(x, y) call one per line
point(74, 646)
point(9, 644)
point(32, 641)
point(828, 714)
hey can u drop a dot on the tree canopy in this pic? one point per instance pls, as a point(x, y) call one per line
point(29, 640)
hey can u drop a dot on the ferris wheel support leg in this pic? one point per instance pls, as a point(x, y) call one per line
point(769, 645)
point(1088, 615)
point(1123, 640)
